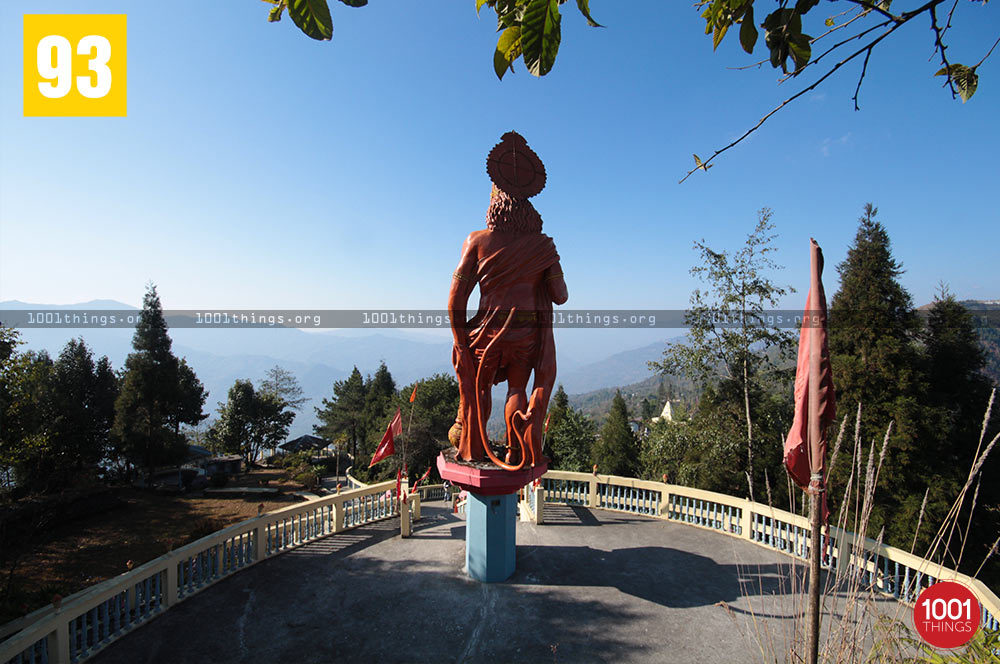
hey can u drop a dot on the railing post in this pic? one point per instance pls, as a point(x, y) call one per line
point(539, 505)
point(592, 491)
point(746, 519)
point(404, 520)
point(170, 592)
point(58, 643)
point(259, 542)
point(416, 506)
point(337, 514)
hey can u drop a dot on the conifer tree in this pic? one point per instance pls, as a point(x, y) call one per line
point(344, 413)
point(558, 408)
point(158, 394)
point(616, 451)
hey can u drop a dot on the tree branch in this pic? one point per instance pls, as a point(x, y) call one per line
point(798, 94)
point(877, 9)
point(940, 47)
point(988, 54)
point(864, 70)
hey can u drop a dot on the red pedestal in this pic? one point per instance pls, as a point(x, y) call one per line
point(486, 479)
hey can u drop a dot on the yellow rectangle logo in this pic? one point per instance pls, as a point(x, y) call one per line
point(74, 65)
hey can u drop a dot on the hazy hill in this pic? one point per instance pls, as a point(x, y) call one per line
point(587, 358)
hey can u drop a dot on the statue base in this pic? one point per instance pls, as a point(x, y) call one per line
point(490, 513)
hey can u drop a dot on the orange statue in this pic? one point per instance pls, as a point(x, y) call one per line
point(519, 276)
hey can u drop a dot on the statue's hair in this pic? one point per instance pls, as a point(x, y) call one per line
point(511, 215)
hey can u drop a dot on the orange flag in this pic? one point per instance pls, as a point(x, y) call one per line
point(805, 447)
point(414, 394)
point(386, 446)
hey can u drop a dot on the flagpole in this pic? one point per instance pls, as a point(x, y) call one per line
point(816, 479)
point(409, 423)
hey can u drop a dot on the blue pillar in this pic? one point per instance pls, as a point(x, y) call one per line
point(489, 536)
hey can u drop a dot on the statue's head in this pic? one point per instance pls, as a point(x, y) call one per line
point(517, 174)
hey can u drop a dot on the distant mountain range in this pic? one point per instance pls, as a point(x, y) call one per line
point(592, 363)
point(221, 356)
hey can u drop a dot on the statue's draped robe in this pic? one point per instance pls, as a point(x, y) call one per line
point(528, 338)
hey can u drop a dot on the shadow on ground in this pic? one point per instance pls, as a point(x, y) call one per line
point(621, 592)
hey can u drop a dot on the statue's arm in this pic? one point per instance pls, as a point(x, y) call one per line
point(462, 282)
point(555, 284)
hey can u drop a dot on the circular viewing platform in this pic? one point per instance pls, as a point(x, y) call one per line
point(590, 585)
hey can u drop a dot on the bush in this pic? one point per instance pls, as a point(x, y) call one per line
point(308, 479)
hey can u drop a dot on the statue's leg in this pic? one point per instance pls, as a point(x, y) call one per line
point(517, 399)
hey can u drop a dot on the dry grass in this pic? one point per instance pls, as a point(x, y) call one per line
point(859, 624)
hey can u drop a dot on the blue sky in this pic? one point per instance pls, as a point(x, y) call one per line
point(258, 168)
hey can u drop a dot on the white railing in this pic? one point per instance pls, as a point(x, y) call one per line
point(87, 621)
point(887, 569)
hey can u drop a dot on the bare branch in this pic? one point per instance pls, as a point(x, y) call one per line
point(864, 70)
point(989, 53)
point(940, 47)
point(893, 23)
point(798, 94)
point(878, 9)
point(861, 14)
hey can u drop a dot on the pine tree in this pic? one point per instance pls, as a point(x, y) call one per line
point(558, 408)
point(570, 441)
point(616, 451)
point(877, 363)
point(158, 394)
point(959, 390)
point(81, 407)
point(344, 413)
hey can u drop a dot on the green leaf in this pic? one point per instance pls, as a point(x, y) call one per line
point(801, 50)
point(748, 31)
point(780, 27)
point(584, 7)
point(720, 31)
point(540, 35)
point(312, 17)
point(964, 78)
point(828, 22)
point(355, 3)
point(274, 15)
point(802, 6)
point(479, 5)
point(700, 166)
point(508, 50)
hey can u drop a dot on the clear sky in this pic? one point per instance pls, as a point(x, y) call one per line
point(259, 168)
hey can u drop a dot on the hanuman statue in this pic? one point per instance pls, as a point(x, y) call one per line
point(517, 269)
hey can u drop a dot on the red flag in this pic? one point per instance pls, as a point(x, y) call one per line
point(413, 396)
point(386, 447)
point(399, 482)
point(805, 447)
point(422, 478)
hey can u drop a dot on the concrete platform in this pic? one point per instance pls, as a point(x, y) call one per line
point(590, 586)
